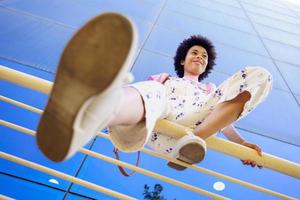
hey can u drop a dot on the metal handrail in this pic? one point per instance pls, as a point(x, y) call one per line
point(173, 129)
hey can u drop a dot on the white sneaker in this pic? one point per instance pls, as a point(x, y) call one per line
point(190, 149)
point(87, 88)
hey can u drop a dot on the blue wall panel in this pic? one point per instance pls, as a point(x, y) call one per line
point(75, 197)
point(231, 8)
point(245, 33)
point(291, 74)
point(282, 52)
point(270, 13)
point(274, 23)
point(275, 118)
point(178, 22)
point(27, 40)
point(210, 15)
point(265, 6)
point(279, 35)
point(24, 190)
point(230, 60)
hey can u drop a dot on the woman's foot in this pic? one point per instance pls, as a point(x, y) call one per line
point(87, 87)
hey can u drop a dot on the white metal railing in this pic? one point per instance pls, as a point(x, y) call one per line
point(168, 128)
point(107, 159)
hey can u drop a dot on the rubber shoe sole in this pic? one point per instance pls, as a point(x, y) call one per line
point(191, 153)
point(90, 62)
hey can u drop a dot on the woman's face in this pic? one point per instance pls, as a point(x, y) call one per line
point(195, 61)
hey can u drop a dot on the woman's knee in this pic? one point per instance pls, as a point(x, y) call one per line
point(260, 72)
point(243, 96)
point(132, 107)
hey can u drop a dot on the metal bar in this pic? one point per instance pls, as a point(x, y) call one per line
point(175, 130)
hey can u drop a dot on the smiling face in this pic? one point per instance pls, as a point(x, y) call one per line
point(195, 61)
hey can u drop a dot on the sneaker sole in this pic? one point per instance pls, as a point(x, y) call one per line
point(190, 153)
point(90, 62)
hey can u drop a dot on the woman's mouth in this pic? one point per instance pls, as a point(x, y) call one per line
point(198, 62)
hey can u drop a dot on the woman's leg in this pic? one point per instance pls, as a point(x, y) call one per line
point(142, 104)
point(131, 109)
point(255, 82)
point(223, 115)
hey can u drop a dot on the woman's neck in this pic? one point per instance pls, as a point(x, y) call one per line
point(191, 77)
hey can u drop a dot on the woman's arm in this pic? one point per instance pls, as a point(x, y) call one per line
point(232, 134)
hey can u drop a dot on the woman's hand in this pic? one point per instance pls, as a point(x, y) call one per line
point(255, 147)
point(231, 133)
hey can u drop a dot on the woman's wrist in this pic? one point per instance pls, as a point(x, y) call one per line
point(241, 141)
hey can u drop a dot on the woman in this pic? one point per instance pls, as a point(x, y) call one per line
point(89, 94)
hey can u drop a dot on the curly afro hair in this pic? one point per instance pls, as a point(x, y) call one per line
point(183, 48)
